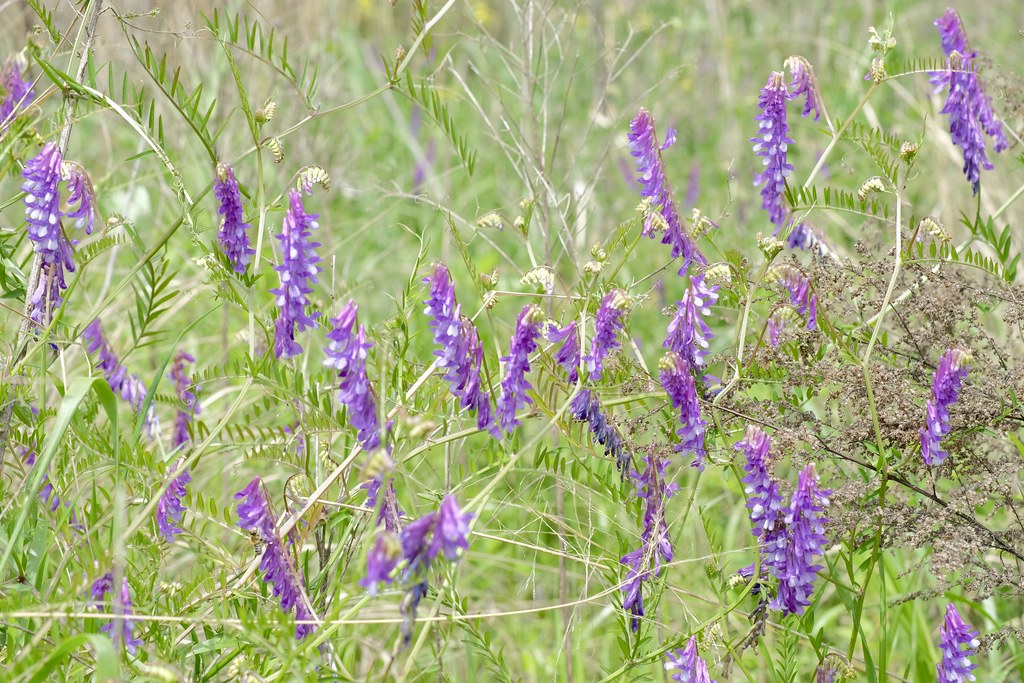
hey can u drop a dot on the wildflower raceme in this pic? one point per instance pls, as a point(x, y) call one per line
point(346, 353)
point(650, 169)
point(514, 384)
point(234, 231)
point(771, 144)
point(793, 560)
point(126, 385)
point(460, 351)
point(279, 570)
point(607, 325)
point(297, 270)
point(677, 380)
point(967, 105)
point(946, 383)
point(17, 90)
point(687, 666)
point(958, 643)
point(120, 630)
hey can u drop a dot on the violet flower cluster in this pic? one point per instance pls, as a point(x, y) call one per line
point(806, 237)
point(346, 353)
point(297, 270)
point(958, 642)
point(655, 544)
point(688, 666)
point(82, 197)
point(234, 231)
point(47, 493)
point(793, 559)
point(771, 144)
point(764, 499)
point(514, 384)
point(460, 351)
point(120, 630)
point(676, 376)
point(279, 570)
point(801, 296)
point(42, 212)
point(643, 145)
point(946, 383)
point(18, 93)
point(967, 105)
point(586, 407)
point(804, 84)
point(688, 333)
point(568, 354)
point(128, 386)
point(418, 544)
point(607, 325)
point(170, 508)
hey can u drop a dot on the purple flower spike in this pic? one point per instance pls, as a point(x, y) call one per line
point(607, 324)
point(514, 384)
point(381, 562)
point(677, 380)
point(792, 561)
point(279, 570)
point(297, 270)
point(128, 386)
point(968, 106)
point(763, 497)
point(568, 355)
point(119, 630)
point(689, 667)
point(183, 387)
point(346, 352)
point(460, 351)
point(643, 145)
point(234, 231)
point(170, 508)
point(586, 407)
point(771, 144)
point(804, 84)
point(688, 333)
point(451, 529)
point(17, 91)
point(958, 643)
point(655, 544)
point(946, 383)
point(42, 212)
point(800, 293)
point(807, 238)
point(83, 195)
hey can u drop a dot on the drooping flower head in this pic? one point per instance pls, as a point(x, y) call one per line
point(279, 570)
point(655, 543)
point(514, 384)
point(17, 90)
point(381, 562)
point(568, 354)
point(42, 213)
point(441, 532)
point(119, 630)
point(688, 333)
point(806, 237)
point(234, 231)
point(764, 499)
point(183, 387)
point(968, 106)
point(586, 407)
point(803, 298)
point(346, 352)
point(170, 508)
point(804, 84)
point(958, 643)
point(460, 351)
point(793, 561)
point(687, 666)
point(607, 325)
point(297, 270)
point(771, 144)
point(946, 383)
point(126, 385)
point(643, 145)
point(82, 197)
point(677, 380)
